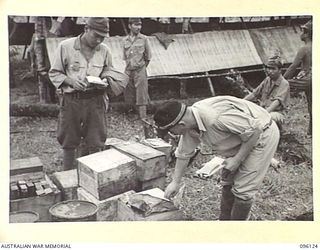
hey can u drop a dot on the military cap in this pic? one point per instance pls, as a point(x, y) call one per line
point(135, 20)
point(169, 114)
point(274, 61)
point(99, 24)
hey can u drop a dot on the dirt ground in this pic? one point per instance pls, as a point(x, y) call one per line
point(286, 193)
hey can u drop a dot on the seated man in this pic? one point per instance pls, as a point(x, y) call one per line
point(273, 91)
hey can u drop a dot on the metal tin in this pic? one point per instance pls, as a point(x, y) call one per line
point(73, 210)
point(23, 217)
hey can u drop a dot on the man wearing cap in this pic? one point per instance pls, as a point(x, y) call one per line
point(273, 91)
point(137, 54)
point(239, 130)
point(303, 81)
point(82, 107)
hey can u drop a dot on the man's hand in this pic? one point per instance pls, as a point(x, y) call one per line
point(171, 190)
point(76, 84)
point(231, 164)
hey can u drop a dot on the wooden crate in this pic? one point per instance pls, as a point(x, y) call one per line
point(125, 213)
point(35, 176)
point(26, 165)
point(159, 182)
point(39, 204)
point(108, 208)
point(159, 144)
point(107, 173)
point(151, 163)
point(67, 182)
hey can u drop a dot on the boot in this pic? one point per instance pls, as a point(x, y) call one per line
point(227, 199)
point(68, 159)
point(241, 209)
point(143, 112)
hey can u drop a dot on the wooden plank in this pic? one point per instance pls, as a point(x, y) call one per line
point(151, 163)
point(26, 165)
point(35, 176)
point(107, 173)
point(108, 208)
point(67, 182)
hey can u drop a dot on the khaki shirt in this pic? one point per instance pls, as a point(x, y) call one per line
point(268, 91)
point(225, 122)
point(70, 62)
point(136, 52)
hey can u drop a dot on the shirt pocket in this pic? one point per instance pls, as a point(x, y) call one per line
point(95, 69)
point(75, 66)
point(76, 70)
point(138, 49)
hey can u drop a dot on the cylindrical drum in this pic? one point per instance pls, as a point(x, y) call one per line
point(73, 210)
point(23, 217)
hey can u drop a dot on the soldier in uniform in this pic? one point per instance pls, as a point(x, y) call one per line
point(137, 54)
point(239, 130)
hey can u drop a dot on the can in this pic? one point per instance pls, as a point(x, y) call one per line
point(73, 211)
point(23, 217)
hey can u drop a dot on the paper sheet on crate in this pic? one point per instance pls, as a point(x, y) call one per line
point(210, 168)
point(151, 201)
point(155, 192)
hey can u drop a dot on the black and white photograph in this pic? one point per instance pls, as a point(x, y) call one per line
point(146, 124)
point(160, 118)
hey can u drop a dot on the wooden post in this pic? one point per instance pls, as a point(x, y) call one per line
point(124, 26)
point(243, 23)
point(183, 89)
point(210, 85)
point(46, 89)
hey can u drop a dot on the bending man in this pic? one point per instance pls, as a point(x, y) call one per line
point(237, 129)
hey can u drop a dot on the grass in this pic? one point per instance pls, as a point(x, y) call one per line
point(285, 194)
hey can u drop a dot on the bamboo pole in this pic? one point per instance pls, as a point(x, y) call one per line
point(203, 76)
point(183, 89)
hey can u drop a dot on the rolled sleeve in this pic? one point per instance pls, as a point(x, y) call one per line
point(186, 147)
point(108, 63)
point(147, 52)
point(239, 123)
point(258, 90)
point(283, 94)
point(57, 73)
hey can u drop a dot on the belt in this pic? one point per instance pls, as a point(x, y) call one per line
point(85, 94)
point(265, 127)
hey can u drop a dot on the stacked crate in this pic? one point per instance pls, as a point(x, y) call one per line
point(151, 163)
point(31, 189)
point(125, 168)
point(103, 178)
